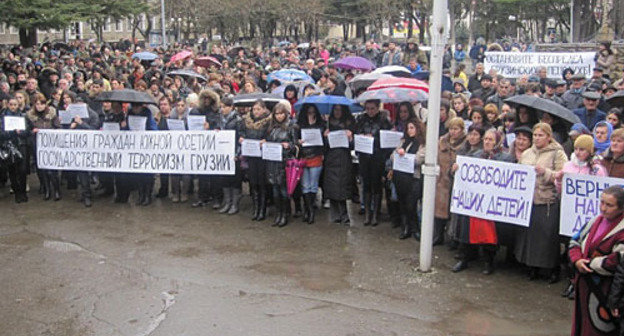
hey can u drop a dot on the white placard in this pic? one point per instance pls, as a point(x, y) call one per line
point(78, 110)
point(110, 126)
point(251, 148)
point(493, 190)
point(311, 137)
point(338, 139)
point(272, 151)
point(65, 117)
point(390, 139)
point(176, 125)
point(517, 64)
point(511, 137)
point(364, 144)
point(136, 123)
point(14, 123)
point(195, 122)
point(580, 200)
point(166, 152)
point(404, 163)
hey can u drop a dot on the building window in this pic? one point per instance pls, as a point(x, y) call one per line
point(13, 30)
point(107, 25)
point(143, 22)
point(2, 29)
point(119, 26)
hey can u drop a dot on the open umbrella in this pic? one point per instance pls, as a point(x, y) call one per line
point(234, 51)
point(145, 56)
point(393, 95)
point(616, 99)
point(304, 45)
point(326, 103)
point(289, 75)
point(354, 63)
point(187, 73)
point(363, 81)
point(283, 43)
point(399, 82)
point(207, 62)
point(126, 96)
point(394, 70)
point(182, 55)
point(248, 99)
point(544, 105)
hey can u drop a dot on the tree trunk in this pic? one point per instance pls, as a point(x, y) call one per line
point(28, 37)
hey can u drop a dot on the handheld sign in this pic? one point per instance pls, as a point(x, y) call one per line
point(65, 117)
point(311, 137)
point(110, 126)
point(78, 110)
point(338, 139)
point(390, 139)
point(12, 123)
point(364, 144)
point(196, 122)
point(272, 151)
point(251, 148)
point(136, 123)
point(404, 163)
point(176, 125)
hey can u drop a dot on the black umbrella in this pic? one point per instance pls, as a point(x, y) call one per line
point(126, 96)
point(616, 99)
point(544, 105)
point(187, 73)
point(61, 45)
point(234, 51)
point(248, 99)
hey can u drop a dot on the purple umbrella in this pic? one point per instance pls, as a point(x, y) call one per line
point(354, 63)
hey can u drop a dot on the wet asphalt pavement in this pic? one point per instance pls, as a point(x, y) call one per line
point(169, 269)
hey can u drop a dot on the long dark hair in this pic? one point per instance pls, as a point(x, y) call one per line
point(302, 118)
point(420, 130)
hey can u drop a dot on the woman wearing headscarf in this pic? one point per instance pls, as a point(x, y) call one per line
point(409, 185)
point(492, 150)
point(602, 136)
point(337, 186)
point(448, 146)
point(538, 245)
point(283, 132)
point(42, 116)
point(254, 127)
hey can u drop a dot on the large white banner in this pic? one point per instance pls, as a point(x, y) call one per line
point(580, 200)
point(173, 152)
point(493, 190)
point(517, 64)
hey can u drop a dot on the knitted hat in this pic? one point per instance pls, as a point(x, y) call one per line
point(586, 142)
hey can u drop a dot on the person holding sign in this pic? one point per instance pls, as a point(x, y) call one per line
point(143, 182)
point(255, 126)
point(486, 230)
point(162, 117)
point(538, 245)
point(231, 183)
point(283, 132)
point(372, 166)
point(15, 143)
point(42, 116)
point(447, 152)
point(114, 115)
point(338, 167)
point(596, 254)
point(312, 155)
point(408, 181)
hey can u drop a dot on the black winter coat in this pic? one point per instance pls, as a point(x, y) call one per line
point(276, 171)
point(338, 166)
point(368, 125)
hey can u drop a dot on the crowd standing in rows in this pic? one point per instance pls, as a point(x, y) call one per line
point(476, 119)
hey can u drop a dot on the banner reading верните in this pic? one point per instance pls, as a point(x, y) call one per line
point(494, 190)
point(169, 152)
point(518, 64)
point(580, 200)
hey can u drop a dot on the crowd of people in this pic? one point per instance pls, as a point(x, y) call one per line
point(476, 119)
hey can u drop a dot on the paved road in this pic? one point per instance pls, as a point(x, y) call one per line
point(169, 269)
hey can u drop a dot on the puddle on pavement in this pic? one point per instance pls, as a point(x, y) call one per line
point(309, 275)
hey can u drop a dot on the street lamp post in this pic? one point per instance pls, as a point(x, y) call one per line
point(163, 27)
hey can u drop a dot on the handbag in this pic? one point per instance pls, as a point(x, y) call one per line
point(482, 231)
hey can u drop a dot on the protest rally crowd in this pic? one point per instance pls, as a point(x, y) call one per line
point(308, 98)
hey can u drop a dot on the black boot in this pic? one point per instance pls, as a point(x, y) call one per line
point(344, 213)
point(286, 208)
point(407, 232)
point(262, 202)
point(149, 188)
point(227, 200)
point(311, 200)
point(367, 209)
point(141, 192)
point(334, 211)
point(376, 208)
point(460, 266)
point(489, 255)
point(278, 209)
point(44, 181)
point(438, 231)
point(297, 201)
point(306, 208)
point(236, 195)
point(55, 185)
point(395, 214)
point(255, 198)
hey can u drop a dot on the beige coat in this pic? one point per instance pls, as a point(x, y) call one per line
point(447, 153)
point(552, 157)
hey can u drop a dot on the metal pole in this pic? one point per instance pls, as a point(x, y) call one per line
point(431, 169)
point(162, 24)
point(571, 21)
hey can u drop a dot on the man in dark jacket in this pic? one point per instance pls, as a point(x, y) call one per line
point(589, 113)
point(486, 88)
point(572, 98)
point(474, 81)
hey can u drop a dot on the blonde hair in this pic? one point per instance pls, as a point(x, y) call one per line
point(544, 127)
point(618, 133)
point(456, 122)
point(491, 108)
